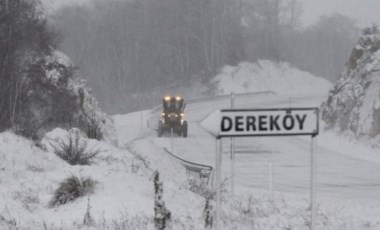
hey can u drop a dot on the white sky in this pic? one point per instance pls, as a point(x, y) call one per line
point(364, 11)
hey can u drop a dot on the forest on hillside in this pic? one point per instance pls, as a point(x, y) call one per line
point(137, 50)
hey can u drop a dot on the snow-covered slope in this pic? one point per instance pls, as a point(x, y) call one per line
point(264, 75)
point(354, 102)
point(123, 197)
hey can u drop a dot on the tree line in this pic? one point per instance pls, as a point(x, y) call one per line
point(24, 37)
point(128, 49)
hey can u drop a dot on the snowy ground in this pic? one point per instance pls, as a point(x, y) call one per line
point(348, 185)
point(345, 169)
point(347, 172)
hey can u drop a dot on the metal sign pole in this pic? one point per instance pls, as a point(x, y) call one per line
point(270, 168)
point(218, 166)
point(171, 139)
point(313, 189)
point(232, 154)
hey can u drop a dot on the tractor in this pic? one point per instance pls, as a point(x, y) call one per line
point(172, 117)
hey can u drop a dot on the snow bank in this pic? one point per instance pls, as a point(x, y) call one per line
point(30, 175)
point(124, 193)
point(266, 75)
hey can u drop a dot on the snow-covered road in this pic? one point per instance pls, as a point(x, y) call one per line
point(342, 168)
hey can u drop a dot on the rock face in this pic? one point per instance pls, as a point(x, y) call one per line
point(354, 103)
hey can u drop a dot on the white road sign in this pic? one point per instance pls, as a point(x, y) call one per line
point(262, 122)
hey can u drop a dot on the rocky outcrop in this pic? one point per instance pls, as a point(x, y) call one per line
point(354, 103)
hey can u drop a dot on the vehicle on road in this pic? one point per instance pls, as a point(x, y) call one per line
point(173, 116)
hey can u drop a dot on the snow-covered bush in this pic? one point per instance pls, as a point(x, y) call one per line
point(71, 189)
point(74, 150)
point(57, 97)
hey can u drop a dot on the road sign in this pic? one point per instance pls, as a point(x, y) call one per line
point(262, 122)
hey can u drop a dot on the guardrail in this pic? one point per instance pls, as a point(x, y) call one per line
point(204, 171)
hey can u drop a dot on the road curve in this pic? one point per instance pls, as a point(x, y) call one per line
point(338, 174)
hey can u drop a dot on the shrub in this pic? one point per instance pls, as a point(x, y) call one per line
point(94, 130)
point(71, 189)
point(74, 151)
point(88, 220)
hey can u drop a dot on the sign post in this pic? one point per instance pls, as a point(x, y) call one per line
point(171, 140)
point(312, 185)
point(270, 181)
point(262, 122)
point(218, 168)
point(232, 154)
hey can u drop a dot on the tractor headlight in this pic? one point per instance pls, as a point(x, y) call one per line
point(182, 115)
point(163, 117)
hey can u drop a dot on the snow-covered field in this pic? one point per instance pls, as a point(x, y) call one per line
point(348, 186)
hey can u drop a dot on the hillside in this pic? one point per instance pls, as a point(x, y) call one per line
point(124, 194)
